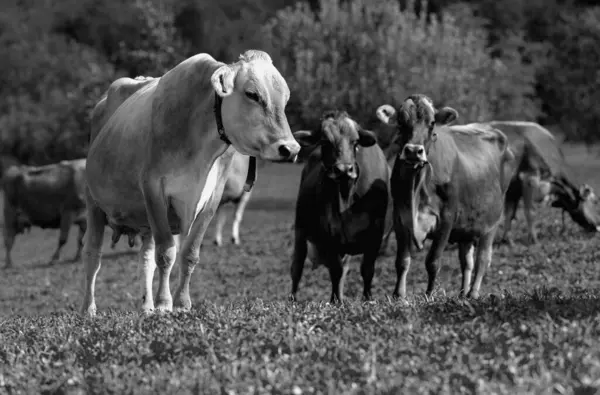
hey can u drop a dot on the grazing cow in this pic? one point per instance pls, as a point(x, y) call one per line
point(50, 196)
point(160, 150)
point(342, 201)
point(542, 173)
point(233, 192)
point(448, 184)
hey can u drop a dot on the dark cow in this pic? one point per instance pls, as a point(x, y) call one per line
point(448, 184)
point(342, 201)
point(542, 173)
point(233, 192)
point(50, 196)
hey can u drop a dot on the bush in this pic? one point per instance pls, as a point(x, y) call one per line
point(358, 55)
point(570, 81)
point(49, 87)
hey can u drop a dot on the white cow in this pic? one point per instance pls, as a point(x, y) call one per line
point(160, 150)
point(235, 193)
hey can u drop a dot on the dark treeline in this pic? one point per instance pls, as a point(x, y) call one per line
point(490, 59)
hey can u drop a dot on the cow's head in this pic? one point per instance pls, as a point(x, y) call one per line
point(580, 203)
point(253, 109)
point(340, 138)
point(415, 121)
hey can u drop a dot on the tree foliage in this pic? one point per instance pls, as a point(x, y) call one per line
point(488, 59)
point(358, 55)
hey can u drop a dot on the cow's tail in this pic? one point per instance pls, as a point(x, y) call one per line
point(507, 159)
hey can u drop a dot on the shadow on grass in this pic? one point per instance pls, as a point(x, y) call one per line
point(541, 303)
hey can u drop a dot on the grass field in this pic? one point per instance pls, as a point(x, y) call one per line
point(535, 330)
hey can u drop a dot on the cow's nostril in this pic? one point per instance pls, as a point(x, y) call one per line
point(284, 151)
point(420, 151)
point(350, 169)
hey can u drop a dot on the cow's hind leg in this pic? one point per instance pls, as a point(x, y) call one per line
point(437, 248)
point(82, 228)
point(465, 256)
point(510, 212)
point(92, 253)
point(529, 210)
point(237, 218)
point(298, 260)
point(221, 217)
point(482, 261)
point(66, 220)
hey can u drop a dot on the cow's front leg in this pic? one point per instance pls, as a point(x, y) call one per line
point(482, 262)
point(529, 212)
point(435, 252)
point(165, 248)
point(147, 261)
point(238, 216)
point(190, 250)
point(367, 271)
point(465, 256)
point(92, 252)
point(66, 220)
point(298, 260)
point(338, 268)
point(402, 262)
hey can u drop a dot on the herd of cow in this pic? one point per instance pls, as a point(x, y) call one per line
point(166, 153)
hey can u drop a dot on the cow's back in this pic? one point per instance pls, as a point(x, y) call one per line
point(471, 162)
point(535, 148)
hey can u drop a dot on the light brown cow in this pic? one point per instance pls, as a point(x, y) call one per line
point(448, 184)
point(543, 175)
point(159, 156)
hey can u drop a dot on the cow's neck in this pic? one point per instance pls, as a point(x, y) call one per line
point(335, 205)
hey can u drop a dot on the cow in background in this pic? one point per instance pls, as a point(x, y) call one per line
point(342, 202)
point(234, 192)
point(543, 175)
point(448, 184)
point(49, 197)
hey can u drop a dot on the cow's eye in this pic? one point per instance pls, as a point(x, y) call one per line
point(252, 96)
point(356, 147)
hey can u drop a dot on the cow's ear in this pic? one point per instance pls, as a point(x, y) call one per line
point(306, 138)
point(222, 80)
point(387, 114)
point(446, 116)
point(366, 138)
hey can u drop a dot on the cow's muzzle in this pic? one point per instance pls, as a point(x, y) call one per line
point(342, 170)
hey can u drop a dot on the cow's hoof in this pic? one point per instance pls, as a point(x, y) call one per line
point(473, 295)
point(218, 242)
point(89, 311)
point(164, 306)
point(292, 298)
point(6, 267)
point(235, 241)
point(182, 303)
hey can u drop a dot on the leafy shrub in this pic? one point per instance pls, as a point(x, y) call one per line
point(358, 55)
point(571, 80)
